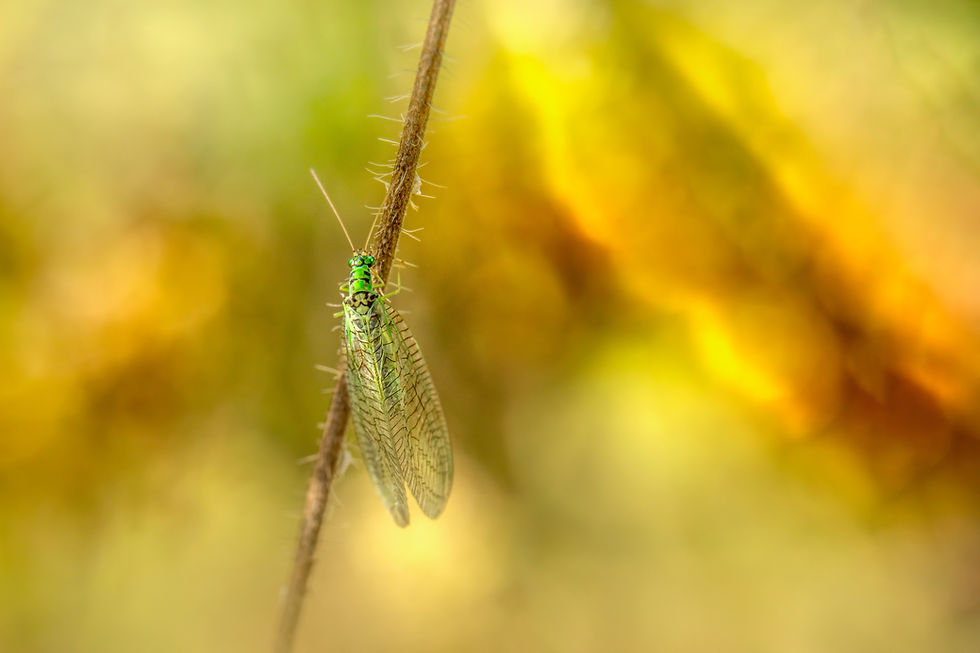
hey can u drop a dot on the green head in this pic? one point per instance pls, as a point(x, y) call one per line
point(360, 272)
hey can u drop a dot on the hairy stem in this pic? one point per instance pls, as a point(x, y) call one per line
point(316, 503)
point(386, 242)
point(413, 137)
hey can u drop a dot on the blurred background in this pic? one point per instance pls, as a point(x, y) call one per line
point(701, 297)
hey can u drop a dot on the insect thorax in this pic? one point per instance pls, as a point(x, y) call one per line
point(360, 285)
point(361, 301)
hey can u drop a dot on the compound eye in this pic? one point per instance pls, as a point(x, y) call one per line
point(350, 262)
point(369, 260)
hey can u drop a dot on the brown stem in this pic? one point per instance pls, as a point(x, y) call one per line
point(386, 242)
point(316, 502)
point(413, 137)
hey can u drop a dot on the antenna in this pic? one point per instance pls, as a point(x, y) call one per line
point(324, 191)
point(371, 231)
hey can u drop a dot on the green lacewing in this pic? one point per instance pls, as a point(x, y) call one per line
point(398, 419)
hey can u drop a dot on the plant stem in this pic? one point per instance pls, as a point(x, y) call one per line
point(386, 242)
point(413, 137)
point(316, 503)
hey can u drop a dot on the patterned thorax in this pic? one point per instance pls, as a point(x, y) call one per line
point(360, 289)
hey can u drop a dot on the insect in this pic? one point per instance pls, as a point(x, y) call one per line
point(397, 416)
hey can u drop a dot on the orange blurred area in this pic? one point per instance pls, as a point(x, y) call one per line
point(698, 285)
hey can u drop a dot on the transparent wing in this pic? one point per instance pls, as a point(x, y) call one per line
point(428, 470)
point(372, 370)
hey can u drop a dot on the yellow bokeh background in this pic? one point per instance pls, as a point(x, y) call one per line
point(698, 283)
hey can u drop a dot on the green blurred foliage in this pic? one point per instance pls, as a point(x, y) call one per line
point(700, 296)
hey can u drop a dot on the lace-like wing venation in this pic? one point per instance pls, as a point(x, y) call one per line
point(376, 399)
point(429, 469)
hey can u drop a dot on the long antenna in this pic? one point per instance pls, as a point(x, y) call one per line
point(330, 202)
point(371, 230)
